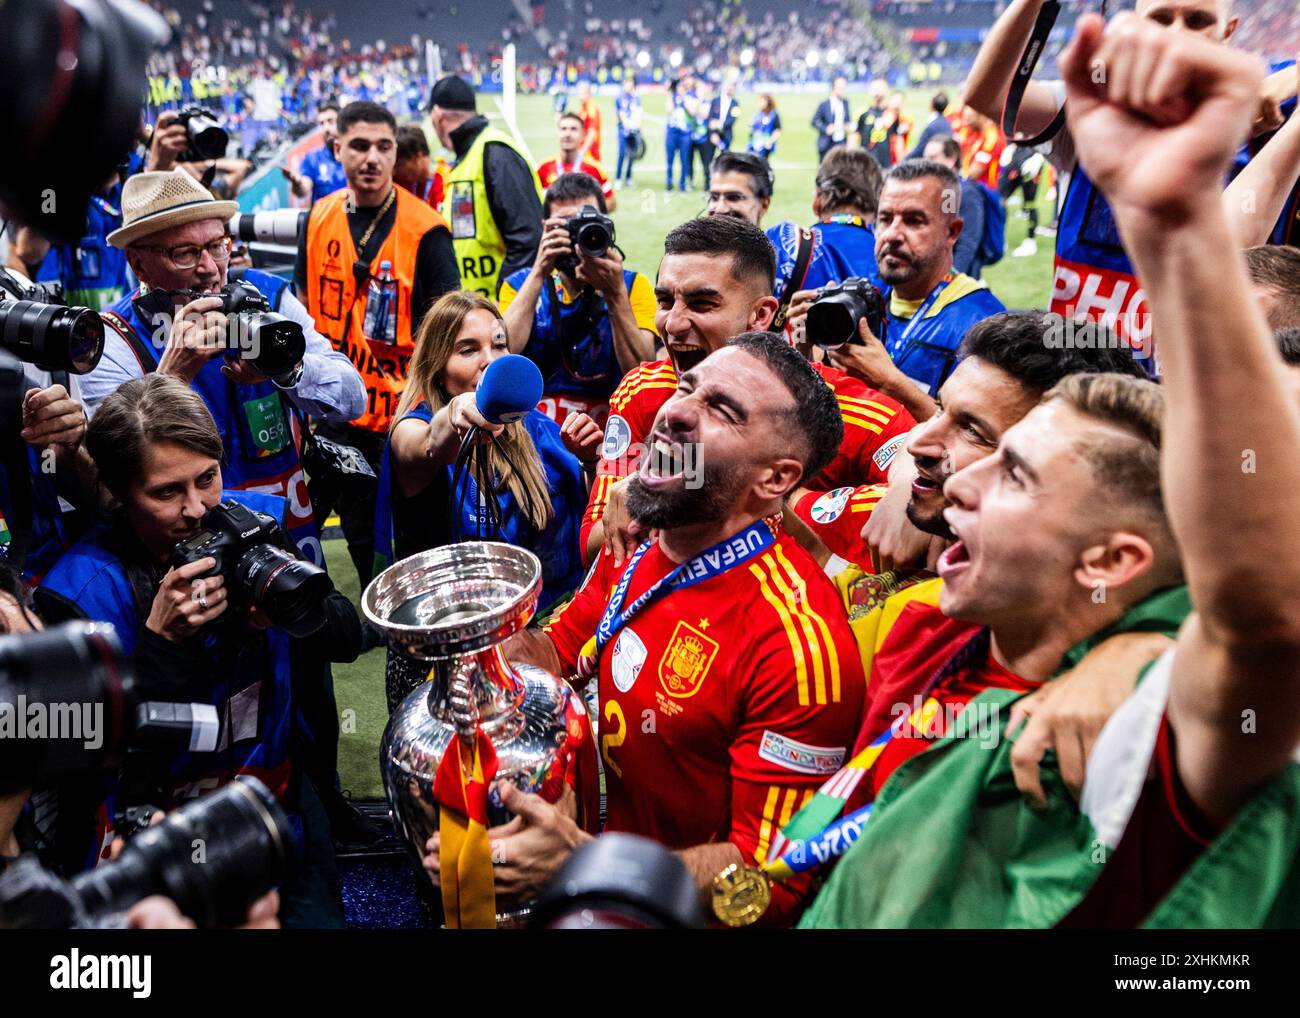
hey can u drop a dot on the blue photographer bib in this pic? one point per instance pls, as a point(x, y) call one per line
point(257, 430)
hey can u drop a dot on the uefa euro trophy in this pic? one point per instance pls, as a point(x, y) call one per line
point(454, 607)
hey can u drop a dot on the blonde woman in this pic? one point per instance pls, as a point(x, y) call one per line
point(539, 481)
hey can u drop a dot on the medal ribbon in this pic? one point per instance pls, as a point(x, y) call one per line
point(460, 786)
point(713, 561)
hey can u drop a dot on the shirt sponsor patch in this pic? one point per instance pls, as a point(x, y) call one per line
point(827, 509)
point(799, 756)
point(629, 656)
point(618, 436)
point(886, 453)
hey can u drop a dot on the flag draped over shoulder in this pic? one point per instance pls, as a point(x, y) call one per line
point(952, 843)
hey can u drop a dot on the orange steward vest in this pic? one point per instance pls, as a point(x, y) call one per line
point(339, 311)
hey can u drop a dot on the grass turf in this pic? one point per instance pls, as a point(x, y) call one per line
point(645, 213)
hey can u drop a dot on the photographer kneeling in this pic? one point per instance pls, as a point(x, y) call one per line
point(204, 598)
point(584, 319)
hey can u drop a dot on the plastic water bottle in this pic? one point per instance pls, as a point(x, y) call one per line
point(381, 306)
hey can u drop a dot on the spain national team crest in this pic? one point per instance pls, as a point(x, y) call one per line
point(686, 661)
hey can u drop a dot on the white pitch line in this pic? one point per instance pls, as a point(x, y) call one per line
point(514, 130)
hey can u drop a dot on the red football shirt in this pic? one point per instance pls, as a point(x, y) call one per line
point(553, 168)
point(875, 427)
point(918, 645)
point(724, 705)
point(837, 517)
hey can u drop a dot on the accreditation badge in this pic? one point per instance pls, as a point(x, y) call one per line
point(267, 425)
point(461, 203)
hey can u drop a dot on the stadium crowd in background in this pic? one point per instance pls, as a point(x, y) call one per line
point(862, 540)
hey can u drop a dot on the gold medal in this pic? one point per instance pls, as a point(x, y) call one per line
point(741, 894)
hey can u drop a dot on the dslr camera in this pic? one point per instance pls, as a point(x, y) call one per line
point(591, 233)
point(248, 850)
point(38, 328)
point(834, 316)
point(249, 550)
point(208, 139)
point(274, 343)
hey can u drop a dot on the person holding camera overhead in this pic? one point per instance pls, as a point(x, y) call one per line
point(206, 609)
point(584, 319)
point(424, 503)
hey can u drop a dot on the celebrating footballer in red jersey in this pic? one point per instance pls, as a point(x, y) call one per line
point(729, 683)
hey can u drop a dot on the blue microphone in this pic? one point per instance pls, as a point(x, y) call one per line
point(511, 386)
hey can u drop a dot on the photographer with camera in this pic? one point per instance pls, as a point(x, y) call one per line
point(583, 318)
point(929, 304)
point(180, 325)
point(47, 482)
point(194, 141)
point(208, 598)
point(841, 244)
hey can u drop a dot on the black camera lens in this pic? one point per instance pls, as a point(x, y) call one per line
point(63, 707)
point(72, 76)
point(834, 316)
point(213, 857)
point(275, 344)
point(594, 240)
point(833, 321)
point(620, 881)
point(208, 139)
point(52, 337)
point(289, 590)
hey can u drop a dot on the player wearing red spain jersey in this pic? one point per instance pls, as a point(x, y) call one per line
point(572, 159)
point(1002, 373)
point(700, 306)
point(728, 680)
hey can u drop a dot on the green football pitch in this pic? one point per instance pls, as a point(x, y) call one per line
point(645, 213)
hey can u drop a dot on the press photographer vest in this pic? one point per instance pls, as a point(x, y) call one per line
point(257, 429)
point(340, 311)
point(480, 248)
point(246, 678)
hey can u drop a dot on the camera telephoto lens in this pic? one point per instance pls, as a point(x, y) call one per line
point(52, 337)
point(289, 590)
point(213, 857)
point(71, 680)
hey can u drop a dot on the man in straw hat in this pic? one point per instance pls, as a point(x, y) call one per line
point(175, 240)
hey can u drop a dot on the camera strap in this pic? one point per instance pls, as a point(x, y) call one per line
point(579, 326)
point(1043, 26)
point(148, 362)
point(797, 275)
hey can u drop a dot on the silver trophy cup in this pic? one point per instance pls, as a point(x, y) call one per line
point(454, 607)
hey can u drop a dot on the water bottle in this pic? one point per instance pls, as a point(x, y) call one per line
point(381, 306)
